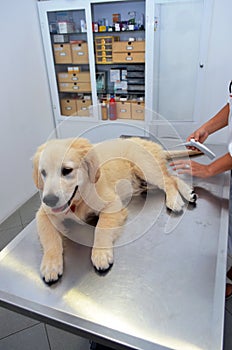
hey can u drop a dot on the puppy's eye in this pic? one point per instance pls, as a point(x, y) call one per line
point(43, 173)
point(66, 171)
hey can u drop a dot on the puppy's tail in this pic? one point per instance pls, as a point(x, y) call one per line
point(182, 153)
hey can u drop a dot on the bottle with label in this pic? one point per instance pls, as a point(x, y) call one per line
point(104, 111)
point(112, 109)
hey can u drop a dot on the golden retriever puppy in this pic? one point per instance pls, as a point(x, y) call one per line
point(78, 179)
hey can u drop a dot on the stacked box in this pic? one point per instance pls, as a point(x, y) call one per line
point(129, 52)
point(83, 107)
point(62, 53)
point(74, 82)
point(75, 87)
point(67, 77)
point(80, 53)
point(75, 107)
point(129, 46)
point(137, 110)
point(68, 107)
point(123, 110)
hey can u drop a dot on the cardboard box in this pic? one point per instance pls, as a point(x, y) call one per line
point(62, 53)
point(69, 77)
point(68, 107)
point(80, 53)
point(123, 110)
point(128, 46)
point(137, 110)
point(128, 57)
point(75, 87)
point(83, 107)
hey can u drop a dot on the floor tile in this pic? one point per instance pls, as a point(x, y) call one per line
point(59, 339)
point(228, 305)
point(31, 338)
point(28, 210)
point(8, 234)
point(11, 322)
point(13, 220)
point(227, 331)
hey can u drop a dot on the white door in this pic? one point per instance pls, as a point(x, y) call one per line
point(180, 30)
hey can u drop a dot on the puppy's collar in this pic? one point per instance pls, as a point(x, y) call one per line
point(71, 208)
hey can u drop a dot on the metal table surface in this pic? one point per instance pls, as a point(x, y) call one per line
point(165, 290)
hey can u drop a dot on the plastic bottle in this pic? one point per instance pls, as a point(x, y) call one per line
point(112, 109)
point(104, 111)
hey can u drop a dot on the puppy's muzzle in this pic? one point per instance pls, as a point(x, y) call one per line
point(50, 200)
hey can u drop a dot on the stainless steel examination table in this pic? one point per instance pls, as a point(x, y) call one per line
point(165, 290)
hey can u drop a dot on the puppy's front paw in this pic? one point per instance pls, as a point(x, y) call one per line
point(102, 258)
point(51, 267)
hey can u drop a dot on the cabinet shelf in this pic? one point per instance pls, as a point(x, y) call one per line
point(119, 32)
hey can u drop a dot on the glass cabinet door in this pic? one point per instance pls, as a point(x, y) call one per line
point(68, 31)
point(68, 61)
point(119, 49)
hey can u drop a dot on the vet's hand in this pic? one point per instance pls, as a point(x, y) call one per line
point(190, 167)
point(200, 135)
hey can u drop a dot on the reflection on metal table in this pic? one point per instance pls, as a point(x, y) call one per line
point(165, 290)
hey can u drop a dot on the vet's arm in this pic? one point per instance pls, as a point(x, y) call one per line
point(219, 121)
point(190, 167)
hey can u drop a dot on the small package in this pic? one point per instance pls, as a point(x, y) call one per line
point(65, 27)
point(60, 38)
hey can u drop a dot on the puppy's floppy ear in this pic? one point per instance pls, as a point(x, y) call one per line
point(89, 159)
point(91, 163)
point(36, 174)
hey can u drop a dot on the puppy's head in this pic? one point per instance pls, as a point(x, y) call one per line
point(61, 167)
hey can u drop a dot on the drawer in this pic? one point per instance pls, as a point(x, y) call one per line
point(80, 53)
point(75, 87)
point(83, 107)
point(104, 59)
point(123, 110)
point(82, 77)
point(128, 57)
point(104, 40)
point(104, 53)
point(128, 46)
point(132, 87)
point(135, 74)
point(103, 47)
point(137, 110)
point(68, 107)
point(62, 53)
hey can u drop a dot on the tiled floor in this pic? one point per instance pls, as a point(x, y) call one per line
point(18, 332)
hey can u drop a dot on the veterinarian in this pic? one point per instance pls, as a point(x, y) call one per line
point(224, 163)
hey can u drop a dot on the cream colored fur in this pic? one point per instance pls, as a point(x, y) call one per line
point(95, 179)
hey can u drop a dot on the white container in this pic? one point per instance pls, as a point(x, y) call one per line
point(65, 27)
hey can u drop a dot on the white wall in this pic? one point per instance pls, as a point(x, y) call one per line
point(26, 116)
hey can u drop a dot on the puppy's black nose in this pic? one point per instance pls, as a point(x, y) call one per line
point(51, 200)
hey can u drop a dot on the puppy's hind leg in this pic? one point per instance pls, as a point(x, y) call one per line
point(52, 262)
point(185, 190)
point(173, 198)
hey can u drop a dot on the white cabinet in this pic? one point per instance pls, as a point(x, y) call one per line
point(146, 53)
